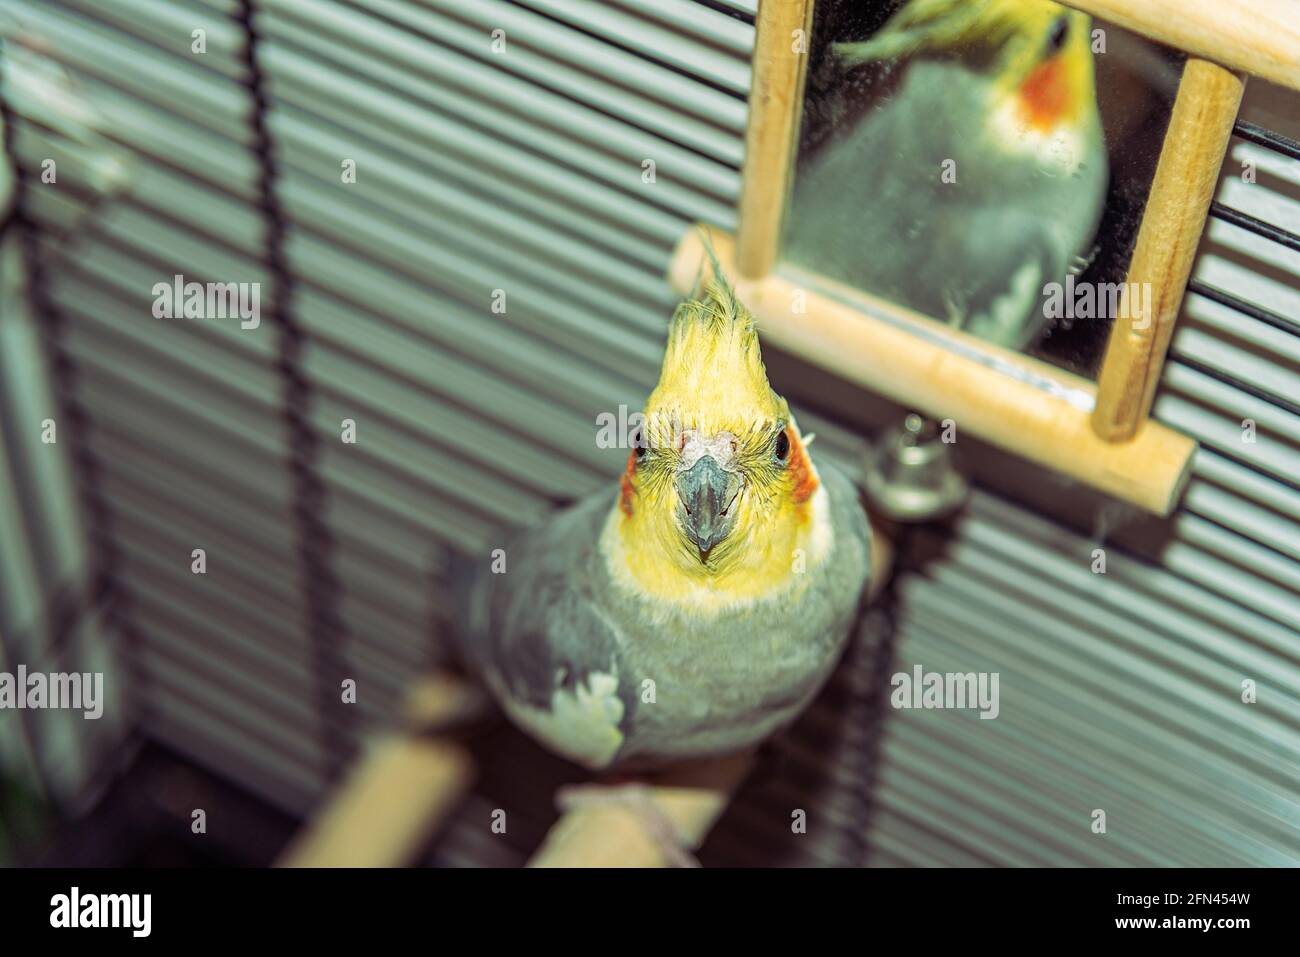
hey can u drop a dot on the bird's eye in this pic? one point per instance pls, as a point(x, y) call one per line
point(638, 442)
point(782, 446)
point(1060, 33)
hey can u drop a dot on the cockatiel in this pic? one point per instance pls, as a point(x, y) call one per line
point(698, 603)
point(977, 181)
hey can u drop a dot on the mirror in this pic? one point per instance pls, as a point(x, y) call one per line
point(984, 163)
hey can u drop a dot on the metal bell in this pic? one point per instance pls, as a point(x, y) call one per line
point(910, 476)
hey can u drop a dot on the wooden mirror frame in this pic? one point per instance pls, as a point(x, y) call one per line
point(1097, 432)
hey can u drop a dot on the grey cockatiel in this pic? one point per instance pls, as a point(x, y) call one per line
point(697, 604)
point(976, 182)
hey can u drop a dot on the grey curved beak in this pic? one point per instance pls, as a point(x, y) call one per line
point(707, 491)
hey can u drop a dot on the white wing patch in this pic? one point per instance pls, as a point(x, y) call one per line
point(581, 724)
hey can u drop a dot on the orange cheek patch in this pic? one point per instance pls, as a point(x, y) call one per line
point(805, 483)
point(625, 485)
point(1045, 94)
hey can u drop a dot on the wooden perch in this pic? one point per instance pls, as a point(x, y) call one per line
point(397, 796)
point(608, 834)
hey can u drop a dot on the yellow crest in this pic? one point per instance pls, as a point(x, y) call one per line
point(713, 377)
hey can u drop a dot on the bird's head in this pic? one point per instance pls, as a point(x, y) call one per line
point(718, 484)
point(1036, 54)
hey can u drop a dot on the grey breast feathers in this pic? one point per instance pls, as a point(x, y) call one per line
point(538, 634)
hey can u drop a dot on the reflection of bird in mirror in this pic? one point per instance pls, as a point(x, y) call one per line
point(976, 180)
point(697, 605)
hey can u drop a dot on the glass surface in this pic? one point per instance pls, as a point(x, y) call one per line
point(983, 162)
